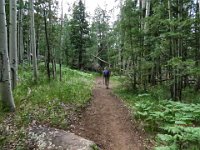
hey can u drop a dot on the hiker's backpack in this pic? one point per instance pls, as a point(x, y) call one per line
point(106, 73)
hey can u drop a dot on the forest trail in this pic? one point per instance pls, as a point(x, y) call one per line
point(107, 122)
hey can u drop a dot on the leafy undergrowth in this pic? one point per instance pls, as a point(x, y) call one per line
point(176, 125)
point(50, 103)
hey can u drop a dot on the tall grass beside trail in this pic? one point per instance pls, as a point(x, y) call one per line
point(176, 125)
point(46, 102)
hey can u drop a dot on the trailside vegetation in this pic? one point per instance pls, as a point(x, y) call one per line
point(45, 103)
point(158, 55)
point(173, 125)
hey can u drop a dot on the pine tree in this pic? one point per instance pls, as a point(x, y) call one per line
point(100, 31)
point(79, 34)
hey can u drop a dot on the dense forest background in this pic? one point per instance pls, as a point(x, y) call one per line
point(152, 42)
point(154, 46)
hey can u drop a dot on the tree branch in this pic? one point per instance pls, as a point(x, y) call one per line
point(100, 59)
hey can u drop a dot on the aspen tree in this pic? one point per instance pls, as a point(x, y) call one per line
point(33, 42)
point(13, 42)
point(61, 41)
point(20, 33)
point(5, 79)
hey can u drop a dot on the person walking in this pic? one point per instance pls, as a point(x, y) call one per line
point(106, 77)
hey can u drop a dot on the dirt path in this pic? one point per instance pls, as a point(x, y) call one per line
point(108, 123)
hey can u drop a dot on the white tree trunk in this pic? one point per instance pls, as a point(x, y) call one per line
point(5, 80)
point(21, 40)
point(33, 42)
point(128, 68)
point(124, 66)
point(148, 4)
point(21, 43)
point(61, 40)
point(13, 42)
point(147, 13)
point(143, 4)
point(29, 48)
point(169, 9)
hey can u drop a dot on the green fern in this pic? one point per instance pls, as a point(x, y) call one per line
point(176, 123)
point(171, 147)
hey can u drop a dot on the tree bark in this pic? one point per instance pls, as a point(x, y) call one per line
point(13, 42)
point(33, 42)
point(197, 86)
point(61, 41)
point(148, 4)
point(48, 47)
point(5, 78)
point(20, 33)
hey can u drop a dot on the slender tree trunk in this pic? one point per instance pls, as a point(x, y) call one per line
point(37, 42)
point(153, 75)
point(5, 78)
point(178, 89)
point(120, 54)
point(124, 66)
point(20, 33)
point(18, 39)
point(48, 47)
point(199, 5)
point(21, 44)
point(160, 71)
point(80, 58)
point(51, 48)
point(143, 4)
point(53, 62)
point(80, 52)
point(172, 47)
point(148, 4)
point(29, 48)
point(13, 43)
point(61, 42)
point(33, 43)
point(197, 86)
point(128, 68)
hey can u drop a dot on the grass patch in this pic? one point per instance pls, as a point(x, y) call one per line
point(176, 125)
point(45, 102)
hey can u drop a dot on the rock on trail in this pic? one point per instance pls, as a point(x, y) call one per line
point(45, 138)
